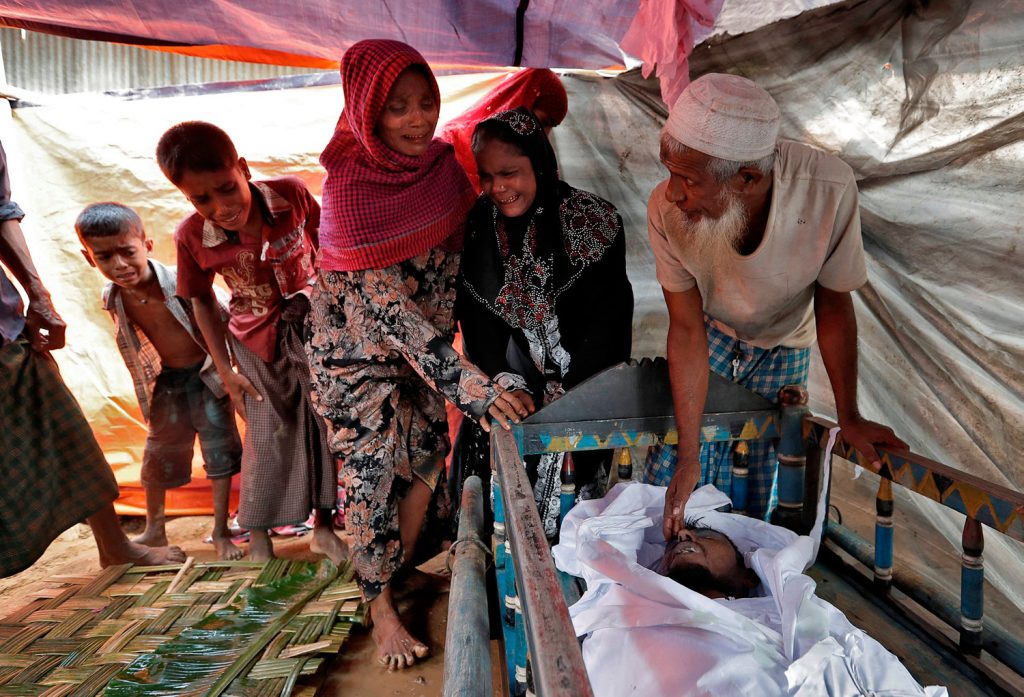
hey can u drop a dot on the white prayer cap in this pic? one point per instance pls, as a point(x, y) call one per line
point(725, 116)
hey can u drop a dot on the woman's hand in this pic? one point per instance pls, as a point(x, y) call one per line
point(506, 410)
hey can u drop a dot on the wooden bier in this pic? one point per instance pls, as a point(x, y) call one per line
point(555, 657)
point(625, 406)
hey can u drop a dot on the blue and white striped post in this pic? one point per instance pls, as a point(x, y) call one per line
point(520, 651)
point(740, 474)
point(884, 508)
point(567, 495)
point(972, 587)
point(498, 541)
point(496, 502)
point(510, 632)
point(504, 572)
point(792, 454)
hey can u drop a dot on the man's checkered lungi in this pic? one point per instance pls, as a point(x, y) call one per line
point(53, 471)
point(764, 371)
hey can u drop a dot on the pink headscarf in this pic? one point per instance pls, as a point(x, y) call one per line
point(381, 207)
point(532, 88)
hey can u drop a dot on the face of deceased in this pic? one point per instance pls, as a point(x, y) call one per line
point(706, 561)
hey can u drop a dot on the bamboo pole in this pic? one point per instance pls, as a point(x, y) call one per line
point(467, 655)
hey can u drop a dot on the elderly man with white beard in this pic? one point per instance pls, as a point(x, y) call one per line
point(757, 244)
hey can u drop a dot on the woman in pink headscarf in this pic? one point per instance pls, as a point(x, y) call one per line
point(381, 319)
point(537, 89)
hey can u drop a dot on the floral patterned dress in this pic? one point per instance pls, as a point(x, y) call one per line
point(382, 363)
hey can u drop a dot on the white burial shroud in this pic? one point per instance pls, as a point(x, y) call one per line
point(648, 635)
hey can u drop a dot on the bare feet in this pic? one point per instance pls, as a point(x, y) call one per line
point(140, 555)
point(260, 546)
point(326, 542)
point(226, 549)
point(396, 648)
point(152, 537)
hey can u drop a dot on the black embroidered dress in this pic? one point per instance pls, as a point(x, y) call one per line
point(543, 300)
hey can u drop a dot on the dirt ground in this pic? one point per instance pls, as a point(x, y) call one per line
point(354, 672)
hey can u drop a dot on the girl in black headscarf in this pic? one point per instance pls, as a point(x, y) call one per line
point(543, 300)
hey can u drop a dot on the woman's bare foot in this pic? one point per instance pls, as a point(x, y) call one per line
point(152, 537)
point(260, 546)
point(326, 542)
point(140, 555)
point(226, 549)
point(396, 648)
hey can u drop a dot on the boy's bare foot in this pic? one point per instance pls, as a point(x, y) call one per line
point(226, 549)
point(396, 648)
point(326, 542)
point(260, 546)
point(141, 555)
point(152, 537)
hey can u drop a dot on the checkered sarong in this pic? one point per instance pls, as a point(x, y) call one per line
point(764, 371)
point(287, 468)
point(53, 471)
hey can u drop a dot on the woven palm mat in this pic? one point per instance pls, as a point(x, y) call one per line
point(198, 628)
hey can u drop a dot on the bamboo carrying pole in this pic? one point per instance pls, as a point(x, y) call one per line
point(467, 655)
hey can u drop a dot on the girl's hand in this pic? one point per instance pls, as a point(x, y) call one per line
point(526, 399)
point(507, 409)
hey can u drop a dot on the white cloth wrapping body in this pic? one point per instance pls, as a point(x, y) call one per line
point(648, 635)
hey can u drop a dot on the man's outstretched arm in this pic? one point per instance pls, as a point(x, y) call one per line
point(837, 339)
point(687, 353)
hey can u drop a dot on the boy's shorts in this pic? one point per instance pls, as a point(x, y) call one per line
point(183, 407)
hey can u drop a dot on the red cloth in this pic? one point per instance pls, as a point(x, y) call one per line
point(532, 88)
point(381, 207)
point(258, 274)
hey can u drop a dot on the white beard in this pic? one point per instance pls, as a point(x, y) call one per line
point(714, 240)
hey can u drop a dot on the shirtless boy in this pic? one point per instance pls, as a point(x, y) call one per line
point(178, 388)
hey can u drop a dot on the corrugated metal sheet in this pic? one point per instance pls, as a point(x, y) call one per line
point(57, 65)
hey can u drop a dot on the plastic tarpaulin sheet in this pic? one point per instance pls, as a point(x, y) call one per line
point(448, 33)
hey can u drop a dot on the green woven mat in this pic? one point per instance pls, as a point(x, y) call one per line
point(198, 628)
